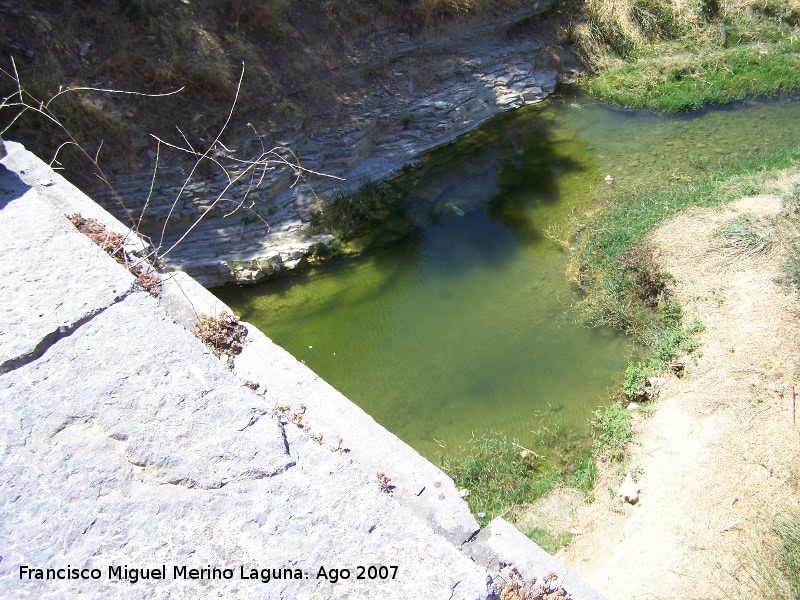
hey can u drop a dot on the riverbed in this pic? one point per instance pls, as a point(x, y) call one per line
point(465, 325)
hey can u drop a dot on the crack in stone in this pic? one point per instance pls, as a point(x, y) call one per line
point(49, 340)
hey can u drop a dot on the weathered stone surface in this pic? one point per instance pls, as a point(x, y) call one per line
point(185, 299)
point(44, 293)
point(428, 98)
point(501, 546)
point(370, 447)
point(175, 412)
point(128, 444)
point(63, 196)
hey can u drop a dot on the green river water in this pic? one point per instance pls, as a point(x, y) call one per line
point(465, 326)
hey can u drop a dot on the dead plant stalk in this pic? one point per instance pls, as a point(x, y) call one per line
point(234, 172)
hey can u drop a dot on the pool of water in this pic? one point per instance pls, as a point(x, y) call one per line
point(464, 325)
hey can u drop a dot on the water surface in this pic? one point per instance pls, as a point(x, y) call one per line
point(465, 325)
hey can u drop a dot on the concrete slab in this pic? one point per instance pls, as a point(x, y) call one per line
point(65, 197)
point(176, 411)
point(52, 278)
point(185, 299)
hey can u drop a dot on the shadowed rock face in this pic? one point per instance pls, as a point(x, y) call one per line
point(420, 96)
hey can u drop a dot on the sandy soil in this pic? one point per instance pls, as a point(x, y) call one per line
point(718, 458)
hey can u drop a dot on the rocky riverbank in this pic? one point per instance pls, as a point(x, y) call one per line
point(406, 98)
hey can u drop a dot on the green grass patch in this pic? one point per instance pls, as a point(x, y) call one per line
point(499, 475)
point(789, 555)
point(348, 213)
point(547, 541)
point(791, 266)
point(671, 57)
point(791, 270)
point(688, 80)
point(585, 472)
point(668, 344)
point(621, 284)
point(612, 432)
point(775, 565)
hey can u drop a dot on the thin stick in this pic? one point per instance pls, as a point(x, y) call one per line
point(794, 407)
point(526, 450)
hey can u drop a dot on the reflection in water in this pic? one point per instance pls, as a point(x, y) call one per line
point(465, 325)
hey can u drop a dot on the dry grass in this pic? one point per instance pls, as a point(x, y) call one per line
point(223, 335)
point(613, 29)
point(745, 237)
point(436, 12)
point(113, 244)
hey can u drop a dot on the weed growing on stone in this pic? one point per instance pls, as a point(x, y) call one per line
point(383, 482)
point(517, 588)
point(339, 448)
point(114, 245)
point(223, 335)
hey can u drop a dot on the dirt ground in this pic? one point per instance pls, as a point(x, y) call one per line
point(718, 457)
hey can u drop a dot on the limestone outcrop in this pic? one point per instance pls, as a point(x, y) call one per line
point(429, 94)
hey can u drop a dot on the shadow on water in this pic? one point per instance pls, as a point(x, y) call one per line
point(465, 324)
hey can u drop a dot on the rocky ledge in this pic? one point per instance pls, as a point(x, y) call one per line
point(418, 96)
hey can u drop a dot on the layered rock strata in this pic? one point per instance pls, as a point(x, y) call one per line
point(408, 98)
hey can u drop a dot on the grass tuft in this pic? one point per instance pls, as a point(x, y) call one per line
point(346, 214)
point(547, 541)
point(586, 472)
point(775, 565)
point(612, 432)
point(745, 236)
point(498, 476)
